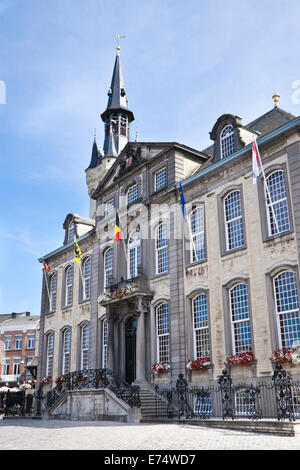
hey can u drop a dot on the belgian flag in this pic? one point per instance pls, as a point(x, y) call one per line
point(117, 232)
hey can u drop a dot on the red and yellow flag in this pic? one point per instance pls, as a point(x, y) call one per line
point(117, 232)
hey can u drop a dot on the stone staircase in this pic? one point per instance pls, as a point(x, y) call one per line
point(147, 404)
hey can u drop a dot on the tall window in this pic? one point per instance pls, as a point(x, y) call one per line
point(84, 347)
point(71, 232)
point(7, 343)
point(5, 367)
point(109, 208)
point(197, 235)
point(227, 141)
point(162, 332)
point(104, 343)
point(66, 351)
point(17, 363)
point(240, 320)
point(161, 251)
point(69, 286)
point(52, 290)
point(200, 326)
point(287, 309)
point(18, 342)
point(160, 179)
point(132, 194)
point(234, 229)
point(279, 207)
point(108, 266)
point(30, 342)
point(49, 355)
point(87, 279)
point(134, 254)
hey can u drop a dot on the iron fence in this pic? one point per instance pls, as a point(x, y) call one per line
point(277, 398)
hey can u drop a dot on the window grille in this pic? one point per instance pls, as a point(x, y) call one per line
point(278, 205)
point(162, 332)
point(200, 326)
point(161, 249)
point(69, 286)
point(160, 179)
point(50, 350)
point(227, 141)
point(233, 221)
point(203, 404)
point(198, 252)
point(287, 309)
point(66, 351)
point(240, 321)
point(108, 266)
point(84, 346)
point(134, 255)
point(132, 194)
point(245, 402)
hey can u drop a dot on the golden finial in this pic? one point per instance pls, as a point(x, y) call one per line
point(119, 37)
point(276, 99)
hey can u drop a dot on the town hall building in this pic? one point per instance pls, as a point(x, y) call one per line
point(186, 266)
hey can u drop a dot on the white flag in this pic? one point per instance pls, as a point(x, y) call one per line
point(255, 163)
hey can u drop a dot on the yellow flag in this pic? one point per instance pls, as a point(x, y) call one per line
point(77, 252)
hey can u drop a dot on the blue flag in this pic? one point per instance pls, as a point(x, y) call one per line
point(182, 200)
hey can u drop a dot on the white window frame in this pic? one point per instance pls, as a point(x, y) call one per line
point(200, 333)
point(71, 231)
point(7, 342)
point(18, 342)
point(107, 266)
point(109, 209)
point(5, 366)
point(68, 286)
point(66, 348)
point(295, 312)
point(230, 222)
point(30, 341)
point(133, 254)
point(53, 287)
point(87, 274)
point(161, 252)
point(17, 366)
point(227, 141)
point(272, 227)
point(160, 179)
point(236, 349)
point(162, 333)
point(49, 354)
point(84, 347)
point(197, 237)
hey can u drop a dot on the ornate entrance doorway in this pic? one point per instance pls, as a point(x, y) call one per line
point(130, 349)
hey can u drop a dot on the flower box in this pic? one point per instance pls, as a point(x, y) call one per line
point(281, 356)
point(118, 294)
point(199, 364)
point(45, 380)
point(160, 368)
point(241, 358)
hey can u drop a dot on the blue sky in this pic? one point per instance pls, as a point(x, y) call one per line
point(184, 64)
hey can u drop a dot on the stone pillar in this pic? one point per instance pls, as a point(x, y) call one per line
point(140, 344)
point(110, 341)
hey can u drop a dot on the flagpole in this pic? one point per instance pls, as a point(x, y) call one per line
point(266, 186)
point(188, 222)
point(47, 286)
point(83, 284)
point(123, 241)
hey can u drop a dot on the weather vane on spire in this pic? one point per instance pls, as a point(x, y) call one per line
point(119, 37)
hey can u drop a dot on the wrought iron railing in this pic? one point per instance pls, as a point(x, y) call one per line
point(94, 379)
point(278, 398)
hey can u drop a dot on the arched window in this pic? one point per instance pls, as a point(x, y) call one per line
point(108, 266)
point(162, 332)
point(84, 356)
point(134, 254)
point(240, 320)
point(161, 248)
point(49, 354)
point(234, 228)
point(66, 351)
point(52, 291)
point(227, 141)
point(200, 326)
point(197, 235)
point(278, 205)
point(86, 270)
point(287, 309)
point(69, 286)
point(71, 231)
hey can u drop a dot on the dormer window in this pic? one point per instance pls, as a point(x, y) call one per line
point(227, 143)
point(71, 232)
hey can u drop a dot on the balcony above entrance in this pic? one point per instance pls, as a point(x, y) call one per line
point(126, 291)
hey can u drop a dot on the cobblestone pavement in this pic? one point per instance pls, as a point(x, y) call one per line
point(70, 435)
